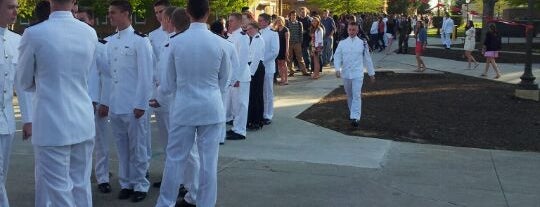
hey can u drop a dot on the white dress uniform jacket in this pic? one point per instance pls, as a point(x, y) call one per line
point(9, 44)
point(192, 94)
point(271, 50)
point(158, 39)
point(63, 112)
point(256, 53)
point(351, 57)
point(241, 42)
point(130, 61)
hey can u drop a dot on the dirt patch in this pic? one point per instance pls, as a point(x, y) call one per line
point(445, 109)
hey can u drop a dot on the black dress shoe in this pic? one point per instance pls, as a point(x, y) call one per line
point(253, 126)
point(229, 122)
point(183, 203)
point(104, 187)
point(355, 122)
point(182, 192)
point(125, 194)
point(138, 196)
point(267, 121)
point(235, 136)
point(222, 143)
point(157, 184)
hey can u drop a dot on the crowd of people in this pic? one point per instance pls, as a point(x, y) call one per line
point(77, 91)
point(73, 88)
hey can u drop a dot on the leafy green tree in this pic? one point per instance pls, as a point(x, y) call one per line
point(224, 7)
point(348, 6)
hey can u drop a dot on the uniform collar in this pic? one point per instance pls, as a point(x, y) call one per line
point(197, 25)
point(126, 31)
point(353, 38)
point(61, 15)
point(237, 30)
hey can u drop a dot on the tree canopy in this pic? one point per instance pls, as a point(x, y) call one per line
point(348, 6)
point(140, 7)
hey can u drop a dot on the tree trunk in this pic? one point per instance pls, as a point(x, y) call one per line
point(487, 14)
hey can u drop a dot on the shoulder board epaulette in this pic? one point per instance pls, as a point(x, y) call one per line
point(257, 36)
point(176, 34)
point(273, 30)
point(243, 33)
point(167, 45)
point(140, 34)
point(102, 41)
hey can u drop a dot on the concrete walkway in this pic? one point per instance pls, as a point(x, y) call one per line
point(296, 163)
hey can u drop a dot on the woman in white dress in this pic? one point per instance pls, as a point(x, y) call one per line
point(470, 35)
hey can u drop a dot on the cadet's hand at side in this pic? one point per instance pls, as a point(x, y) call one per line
point(103, 111)
point(138, 113)
point(372, 79)
point(27, 130)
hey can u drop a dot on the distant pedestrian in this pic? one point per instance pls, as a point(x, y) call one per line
point(470, 35)
point(447, 30)
point(492, 45)
point(317, 43)
point(421, 43)
point(282, 58)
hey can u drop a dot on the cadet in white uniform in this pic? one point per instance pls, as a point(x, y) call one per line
point(99, 81)
point(350, 68)
point(130, 58)
point(240, 81)
point(158, 39)
point(256, 67)
point(198, 82)
point(9, 43)
point(63, 120)
point(271, 42)
point(446, 31)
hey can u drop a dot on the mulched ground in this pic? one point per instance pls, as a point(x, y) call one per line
point(445, 109)
point(458, 55)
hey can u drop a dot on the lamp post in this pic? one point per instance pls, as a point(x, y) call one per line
point(527, 88)
point(467, 2)
point(527, 79)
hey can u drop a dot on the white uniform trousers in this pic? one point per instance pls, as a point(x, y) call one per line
point(225, 97)
point(191, 183)
point(148, 135)
point(353, 89)
point(268, 95)
point(162, 122)
point(5, 145)
point(181, 140)
point(446, 39)
point(63, 175)
point(239, 103)
point(101, 149)
point(132, 147)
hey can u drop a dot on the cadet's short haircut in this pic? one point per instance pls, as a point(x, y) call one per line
point(180, 19)
point(353, 24)
point(62, 1)
point(217, 27)
point(123, 5)
point(88, 12)
point(42, 11)
point(198, 8)
point(266, 17)
point(254, 25)
point(169, 11)
point(236, 15)
point(292, 12)
point(165, 3)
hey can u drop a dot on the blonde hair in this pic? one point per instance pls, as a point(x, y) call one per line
point(279, 21)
